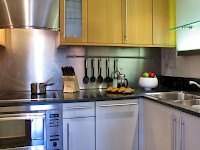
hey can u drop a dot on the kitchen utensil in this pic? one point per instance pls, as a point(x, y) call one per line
point(121, 81)
point(86, 78)
point(39, 88)
point(115, 73)
point(92, 78)
point(42, 87)
point(108, 78)
point(99, 78)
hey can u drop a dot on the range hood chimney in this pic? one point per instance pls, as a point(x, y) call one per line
point(38, 14)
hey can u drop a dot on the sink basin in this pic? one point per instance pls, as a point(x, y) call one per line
point(191, 102)
point(173, 95)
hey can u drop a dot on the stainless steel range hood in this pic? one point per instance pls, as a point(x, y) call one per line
point(39, 14)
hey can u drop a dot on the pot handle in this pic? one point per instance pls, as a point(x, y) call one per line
point(49, 84)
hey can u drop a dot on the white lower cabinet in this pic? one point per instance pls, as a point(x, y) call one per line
point(160, 130)
point(117, 125)
point(79, 126)
point(170, 129)
point(190, 132)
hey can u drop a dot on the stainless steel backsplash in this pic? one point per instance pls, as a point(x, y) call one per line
point(32, 55)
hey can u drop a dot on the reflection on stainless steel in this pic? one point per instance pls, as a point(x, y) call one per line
point(39, 14)
point(32, 56)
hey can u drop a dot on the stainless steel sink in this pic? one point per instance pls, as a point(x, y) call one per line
point(178, 95)
point(191, 102)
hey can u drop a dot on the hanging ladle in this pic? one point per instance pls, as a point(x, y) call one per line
point(86, 78)
point(108, 78)
point(92, 78)
point(99, 78)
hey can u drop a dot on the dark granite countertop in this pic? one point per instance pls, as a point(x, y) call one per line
point(102, 95)
point(81, 96)
point(96, 95)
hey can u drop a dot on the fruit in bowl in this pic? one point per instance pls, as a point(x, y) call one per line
point(148, 80)
point(148, 74)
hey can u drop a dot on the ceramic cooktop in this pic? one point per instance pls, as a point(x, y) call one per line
point(27, 96)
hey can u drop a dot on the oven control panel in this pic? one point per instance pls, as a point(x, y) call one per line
point(54, 129)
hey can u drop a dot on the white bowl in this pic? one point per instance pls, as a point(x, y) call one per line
point(148, 83)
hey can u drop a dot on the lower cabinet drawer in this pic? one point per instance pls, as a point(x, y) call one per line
point(80, 109)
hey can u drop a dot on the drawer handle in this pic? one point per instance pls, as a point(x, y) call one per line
point(79, 107)
point(111, 105)
point(68, 136)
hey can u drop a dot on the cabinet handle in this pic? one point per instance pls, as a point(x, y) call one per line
point(67, 136)
point(79, 107)
point(180, 129)
point(182, 133)
point(111, 105)
point(64, 19)
point(173, 146)
point(126, 20)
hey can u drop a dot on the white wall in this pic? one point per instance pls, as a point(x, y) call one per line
point(179, 66)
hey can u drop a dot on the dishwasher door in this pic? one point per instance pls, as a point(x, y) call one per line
point(117, 125)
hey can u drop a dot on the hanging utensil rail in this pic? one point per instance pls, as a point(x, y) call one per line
point(129, 57)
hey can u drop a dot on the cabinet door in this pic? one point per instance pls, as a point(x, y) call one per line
point(73, 21)
point(190, 132)
point(79, 134)
point(138, 22)
point(163, 20)
point(161, 124)
point(117, 125)
point(105, 21)
point(2, 37)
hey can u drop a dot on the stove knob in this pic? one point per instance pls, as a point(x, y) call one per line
point(54, 144)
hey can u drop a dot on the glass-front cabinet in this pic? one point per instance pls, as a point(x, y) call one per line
point(73, 21)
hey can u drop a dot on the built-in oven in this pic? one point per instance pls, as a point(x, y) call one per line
point(31, 127)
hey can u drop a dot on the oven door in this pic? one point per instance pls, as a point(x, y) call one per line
point(22, 131)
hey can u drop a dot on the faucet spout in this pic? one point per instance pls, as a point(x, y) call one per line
point(193, 82)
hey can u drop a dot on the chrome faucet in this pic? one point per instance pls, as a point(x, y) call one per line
point(193, 82)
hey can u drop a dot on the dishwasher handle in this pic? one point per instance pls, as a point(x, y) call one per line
point(112, 105)
point(21, 116)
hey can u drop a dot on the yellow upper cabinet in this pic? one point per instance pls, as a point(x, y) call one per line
point(105, 21)
point(73, 21)
point(2, 37)
point(117, 22)
point(163, 20)
point(138, 22)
